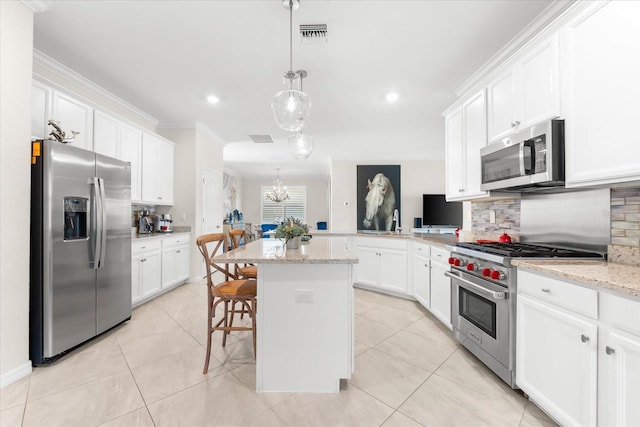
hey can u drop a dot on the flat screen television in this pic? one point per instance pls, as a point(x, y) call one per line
point(436, 211)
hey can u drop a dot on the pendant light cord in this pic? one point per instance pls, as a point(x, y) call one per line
point(291, 35)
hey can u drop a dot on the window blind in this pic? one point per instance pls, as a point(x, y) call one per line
point(295, 205)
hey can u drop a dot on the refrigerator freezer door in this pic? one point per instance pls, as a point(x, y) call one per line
point(68, 283)
point(114, 274)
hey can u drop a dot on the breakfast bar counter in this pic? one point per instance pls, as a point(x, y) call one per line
point(305, 313)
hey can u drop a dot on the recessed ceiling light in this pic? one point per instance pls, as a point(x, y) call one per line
point(213, 99)
point(392, 97)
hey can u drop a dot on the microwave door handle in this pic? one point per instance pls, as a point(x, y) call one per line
point(480, 289)
point(523, 171)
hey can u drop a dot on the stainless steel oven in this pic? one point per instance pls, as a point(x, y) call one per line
point(482, 311)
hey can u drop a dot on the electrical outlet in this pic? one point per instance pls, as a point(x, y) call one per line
point(492, 217)
point(303, 296)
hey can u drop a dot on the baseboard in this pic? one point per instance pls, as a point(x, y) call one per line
point(15, 374)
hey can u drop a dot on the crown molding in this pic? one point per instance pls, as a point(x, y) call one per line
point(68, 74)
point(546, 21)
point(38, 5)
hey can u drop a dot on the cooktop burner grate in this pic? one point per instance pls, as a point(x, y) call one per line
point(524, 250)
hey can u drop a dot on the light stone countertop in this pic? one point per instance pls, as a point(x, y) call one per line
point(319, 250)
point(620, 278)
point(158, 235)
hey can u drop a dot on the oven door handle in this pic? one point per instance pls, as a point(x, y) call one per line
point(480, 289)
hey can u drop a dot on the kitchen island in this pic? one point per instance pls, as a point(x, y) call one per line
point(305, 313)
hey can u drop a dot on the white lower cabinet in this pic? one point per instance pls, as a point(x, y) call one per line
point(578, 352)
point(145, 269)
point(420, 269)
point(619, 362)
point(175, 260)
point(157, 264)
point(440, 304)
point(557, 361)
point(382, 264)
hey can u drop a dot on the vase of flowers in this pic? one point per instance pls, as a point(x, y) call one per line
point(291, 231)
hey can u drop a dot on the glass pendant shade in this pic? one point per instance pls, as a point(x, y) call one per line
point(301, 145)
point(290, 109)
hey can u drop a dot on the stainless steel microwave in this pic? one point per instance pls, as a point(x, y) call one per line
point(528, 160)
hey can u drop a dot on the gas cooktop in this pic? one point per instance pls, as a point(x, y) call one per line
point(524, 250)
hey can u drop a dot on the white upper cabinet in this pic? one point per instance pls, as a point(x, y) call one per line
point(526, 93)
point(106, 134)
point(131, 151)
point(114, 138)
point(601, 94)
point(157, 170)
point(465, 134)
point(40, 104)
point(73, 115)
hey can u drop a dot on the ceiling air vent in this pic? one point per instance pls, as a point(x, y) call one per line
point(313, 33)
point(262, 139)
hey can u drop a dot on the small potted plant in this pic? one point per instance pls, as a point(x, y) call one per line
point(291, 230)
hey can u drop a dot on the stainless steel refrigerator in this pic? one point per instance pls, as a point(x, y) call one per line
point(80, 247)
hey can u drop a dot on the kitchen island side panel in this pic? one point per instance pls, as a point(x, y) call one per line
point(304, 327)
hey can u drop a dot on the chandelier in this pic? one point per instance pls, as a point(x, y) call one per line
point(279, 191)
point(291, 106)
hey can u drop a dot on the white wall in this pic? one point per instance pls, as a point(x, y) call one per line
point(317, 198)
point(417, 177)
point(197, 148)
point(16, 47)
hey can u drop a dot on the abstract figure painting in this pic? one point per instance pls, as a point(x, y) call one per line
point(378, 197)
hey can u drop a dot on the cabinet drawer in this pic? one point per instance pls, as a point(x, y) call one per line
point(621, 313)
point(147, 244)
point(440, 254)
point(422, 249)
point(573, 297)
point(175, 240)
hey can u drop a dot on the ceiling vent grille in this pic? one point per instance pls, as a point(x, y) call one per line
point(313, 33)
point(262, 139)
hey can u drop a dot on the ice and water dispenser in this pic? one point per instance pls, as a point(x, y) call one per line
point(75, 218)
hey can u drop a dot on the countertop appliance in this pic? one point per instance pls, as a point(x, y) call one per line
point(146, 224)
point(532, 159)
point(80, 239)
point(164, 223)
point(483, 297)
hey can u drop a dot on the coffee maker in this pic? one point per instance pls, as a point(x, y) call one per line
point(145, 222)
point(165, 223)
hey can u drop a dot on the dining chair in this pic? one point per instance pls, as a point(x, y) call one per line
point(231, 292)
point(248, 271)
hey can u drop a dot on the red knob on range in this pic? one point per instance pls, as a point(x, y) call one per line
point(456, 262)
point(486, 272)
point(471, 266)
point(497, 275)
point(451, 259)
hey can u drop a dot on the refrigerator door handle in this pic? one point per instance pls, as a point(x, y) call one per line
point(103, 224)
point(101, 231)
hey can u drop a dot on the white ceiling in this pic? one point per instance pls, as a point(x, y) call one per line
point(165, 57)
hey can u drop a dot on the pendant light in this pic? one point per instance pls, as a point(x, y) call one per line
point(291, 106)
point(279, 191)
point(301, 145)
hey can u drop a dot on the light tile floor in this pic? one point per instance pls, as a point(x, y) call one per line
point(148, 372)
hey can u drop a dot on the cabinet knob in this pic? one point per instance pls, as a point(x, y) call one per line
point(584, 338)
point(177, 251)
point(159, 198)
point(514, 124)
point(609, 350)
point(546, 291)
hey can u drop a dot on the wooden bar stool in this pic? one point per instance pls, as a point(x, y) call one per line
point(248, 271)
point(231, 291)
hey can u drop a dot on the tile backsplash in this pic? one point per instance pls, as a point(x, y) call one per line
point(625, 217)
point(507, 216)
